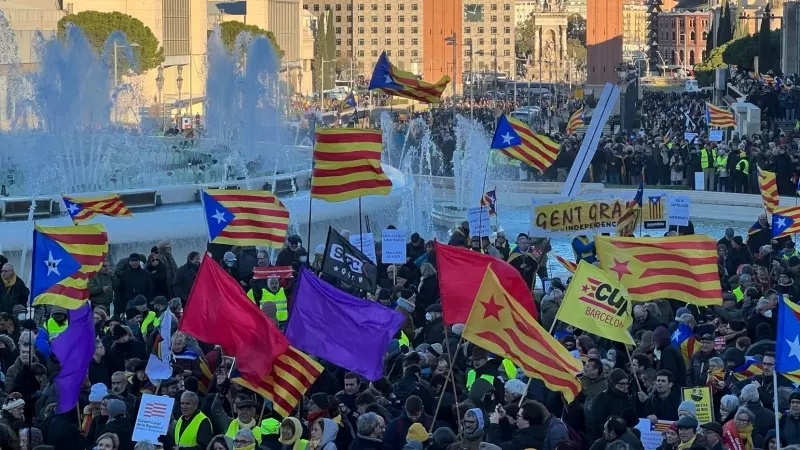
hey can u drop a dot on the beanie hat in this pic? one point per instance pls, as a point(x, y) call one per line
point(661, 337)
point(616, 376)
point(687, 422)
point(417, 433)
point(436, 349)
point(458, 329)
point(688, 406)
point(795, 395)
point(118, 332)
point(160, 300)
point(321, 400)
point(98, 392)
point(116, 408)
point(140, 300)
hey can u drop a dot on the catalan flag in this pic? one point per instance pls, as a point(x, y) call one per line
point(750, 368)
point(656, 207)
point(392, 81)
point(684, 339)
point(787, 347)
point(347, 165)
point(575, 121)
point(633, 211)
point(64, 260)
point(569, 265)
point(241, 217)
point(785, 221)
point(679, 267)
point(490, 199)
point(767, 79)
point(769, 190)
point(499, 324)
point(514, 139)
point(351, 100)
point(718, 117)
point(292, 374)
point(81, 209)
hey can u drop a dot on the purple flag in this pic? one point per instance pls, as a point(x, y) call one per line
point(74, 349)
point(348, 331)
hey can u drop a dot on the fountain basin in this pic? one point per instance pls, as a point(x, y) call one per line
point(448, 215)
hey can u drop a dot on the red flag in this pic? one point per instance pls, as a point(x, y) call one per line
point(218, 312)
point(461, 272)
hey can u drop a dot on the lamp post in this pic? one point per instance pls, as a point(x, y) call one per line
point(179, 83)
point(322, 84)
point(451, 40)
point(160, 87)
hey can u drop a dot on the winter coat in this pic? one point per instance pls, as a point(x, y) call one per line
point(161, 284)
point(607, 403)
point(549, 311)
point(184, 280)
point(395, 436)
point(520, 440)
point(133, 282)
point(366, 443)
point(698, 367)
point(17, 294)
point(63, 432)
point(123, 428)
point(96, 294)
point(672, 360)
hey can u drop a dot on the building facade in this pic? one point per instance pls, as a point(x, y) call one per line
point(682, 37)
point(523, 10)
point(550, 58)
point(603, 41)
point(634, 31)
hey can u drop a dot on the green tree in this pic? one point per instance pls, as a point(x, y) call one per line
point(704, 72)
point(98, 26)
point(525, 39)
point(766, 53)
point(741, 30)
point(576, 28)
point(742, 51)
point(330, 53)
point(319, 53)
point(724, 29)
point(230, 31)
point(577, 51)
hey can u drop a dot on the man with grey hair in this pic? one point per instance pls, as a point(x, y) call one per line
point(144, 445)
point(193, 430)
point(764, 418)
point(370, 428)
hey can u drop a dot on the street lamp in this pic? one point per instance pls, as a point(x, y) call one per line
point(451, 40)
point(160, 87)
point(179, 83)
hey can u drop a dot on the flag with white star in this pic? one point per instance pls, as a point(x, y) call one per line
point(785, 221)
point(81, 209)
point(64, 260)
point(787, 345)
point(241, 217)
point(516, 140)
point(392, 81)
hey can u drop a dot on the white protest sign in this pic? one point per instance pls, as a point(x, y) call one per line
point(690, 136)
point(699, 181)
point(368, 241)
point(678, 214)
point(153, 418)
point(478, 218)
point(652, 436)
point(393, 246)
point(715, 135)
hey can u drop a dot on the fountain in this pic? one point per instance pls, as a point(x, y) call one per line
point(64, 140)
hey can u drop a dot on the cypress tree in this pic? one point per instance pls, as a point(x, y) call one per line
point(765, 51)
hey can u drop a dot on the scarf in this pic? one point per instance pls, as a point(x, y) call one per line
point(405, 304)
point(250, 446)
point(294, 441)
point(714, 377)
point(10, 283)
point(249, 425)
point(736, 439)
point(311, 417)
point(689, 443)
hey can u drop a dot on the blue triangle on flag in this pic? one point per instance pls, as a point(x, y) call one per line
point(72, 208)
point(504, 135)
point(217, 216)
point(51, 264)
point(780, 224)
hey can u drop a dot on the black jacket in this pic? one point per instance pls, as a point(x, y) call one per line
point(184, 280)
point(15, 295)
point(63, 432)
point(133, 282)
point(366, 443)
point(433, 332)
point(161, 284)
point(664, 408)
point(672, 360)
point(123, 428)
point(790, 429)
point(522, 439)
point(607, 403)
point(698, 368)
point(119, 353)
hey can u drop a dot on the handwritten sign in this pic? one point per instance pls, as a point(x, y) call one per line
point(679, 210)
point(479, 224)
point(367, 240)
point(715, 135)
point(393, 250)
point(152, 421)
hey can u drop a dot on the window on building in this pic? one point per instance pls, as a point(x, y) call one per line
point(338, 30)
point(691, 57)
point(401, 19)
point(373, 7)
point(349, 30)
point(691, 36)
point(316, 8)
point(414, 6)
point(338, 7)
point(360, 30)
point(388, 7)
point(374, 19)
point(507, 30)
point(388, 42)
point(480, 41)
point(494, 7)
point(361, 42)
point(176, 27)
point(338, 53)
point(493, 18)
point(387, 19)
point(401, 30)
point(305, 7)
point(374, 41)
point(414, 30)
point(388, 30)
point(493, 30)
point(338, 19)
point(414, 19)
point(401, 53)
point(389, 53)
point(361, 8)
point(506, 52)
point(480, 30)
point(338, 42)
point(401, 7)
point(467, 30)
point(374, 30)
point(468, 41)
point(507, 41)
point(327, 7)
point(414, 53)
point(361, 53)
point(507, 7)
point(493, 52)
point(705, 38)
point(401, 41)
point(414, 41)
point(506, 18)
point(493, 41)
point(361, 19)
point(374, 53)
point(349, 6)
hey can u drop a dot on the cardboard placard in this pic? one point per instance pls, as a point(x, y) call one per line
point(679, 210)
point(368, 242)
point(152, 420)
point(281, 272)
point(479, 222)
point(393, 246)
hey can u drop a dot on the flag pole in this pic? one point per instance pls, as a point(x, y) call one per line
point(775, 405)
point(528, 384)
point(310, 182)
point(450, 379)
point(360, 230)
point(630, 358)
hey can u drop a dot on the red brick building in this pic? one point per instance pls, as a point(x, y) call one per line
point(682, 37)
point(603, 41)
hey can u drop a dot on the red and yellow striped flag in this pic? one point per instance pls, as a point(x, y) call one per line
point(347, 165)
point(292, 374)
point(81, 209)
point(569, 265)
point(680, 267)
point(64, 260)
point(241, 217)
point(515, 139)
point(769, 190)
point(575, 121)
point(499, 324)
point(718, 117)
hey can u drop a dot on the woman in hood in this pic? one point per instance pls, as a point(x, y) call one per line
point(472, 434)
point(291, 430)
point(220, 442)
point(323, 435)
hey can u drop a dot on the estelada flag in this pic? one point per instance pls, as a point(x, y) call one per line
point(392, 81)
point(499, 324)
point(218, 312)
point(460, 274)
point(678, 267)
point(598, 304)
point(769, 190)
point(81, 209)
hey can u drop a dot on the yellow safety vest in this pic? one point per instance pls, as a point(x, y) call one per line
point(739, 293)
point(508, 367)
point(585, 241)
point(279, 298)
point(722, 162)
point(54, 329)
point(786, 256)
point(743, 166)
point(233, 428)
point(471, 378)
point(189, 436)
point(705, 160)
point(151, 318)
point(404, 340)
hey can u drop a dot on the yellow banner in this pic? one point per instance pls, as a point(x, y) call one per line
point(701, 396)
point(576, 217)
point(597, 304)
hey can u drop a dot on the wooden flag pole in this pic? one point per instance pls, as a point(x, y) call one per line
point(528, 385)
point(450, 378)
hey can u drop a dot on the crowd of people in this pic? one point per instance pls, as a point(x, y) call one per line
point(438, 391)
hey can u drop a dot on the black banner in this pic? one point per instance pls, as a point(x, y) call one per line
point(345, 262)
